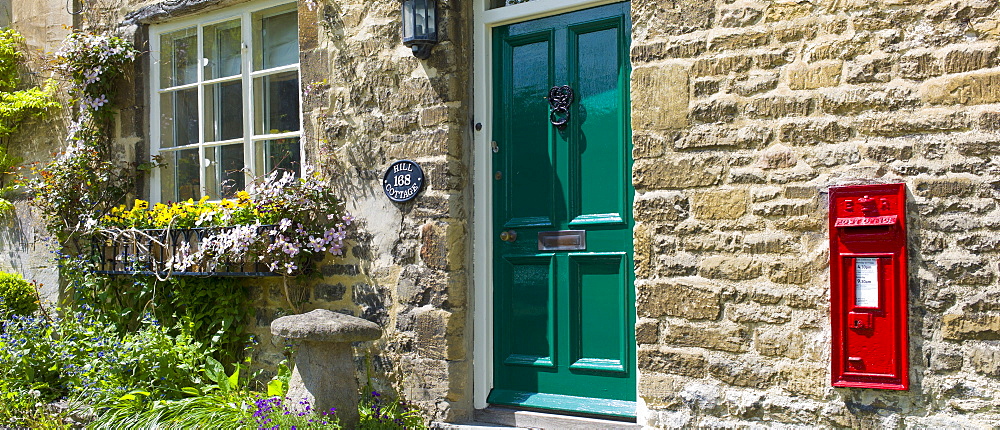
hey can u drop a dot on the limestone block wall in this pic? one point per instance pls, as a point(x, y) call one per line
point(25, 247)
point(744, 114)
point(368, 103)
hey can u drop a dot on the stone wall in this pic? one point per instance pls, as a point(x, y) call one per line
point(369, 102)
point(25, 246)
point(744, 114)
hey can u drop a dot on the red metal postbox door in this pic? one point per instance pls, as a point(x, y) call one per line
point(868, 286)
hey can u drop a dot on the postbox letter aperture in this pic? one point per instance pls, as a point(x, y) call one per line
point(868, 295)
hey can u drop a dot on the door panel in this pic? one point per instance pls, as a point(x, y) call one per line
point(532, 76)
point(597, 198)
point(564, 335)
point(531, 298)
point(599, 290)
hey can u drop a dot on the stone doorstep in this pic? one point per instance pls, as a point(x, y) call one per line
point(503, 418)
point(469, 426)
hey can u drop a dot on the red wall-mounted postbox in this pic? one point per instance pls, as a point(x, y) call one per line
point(868, 286)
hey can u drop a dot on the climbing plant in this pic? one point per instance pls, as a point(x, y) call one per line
point(87, 179)
point(17, 104)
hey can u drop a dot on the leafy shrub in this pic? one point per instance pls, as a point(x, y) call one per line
point(82, 357)
point(378, 413)
point(17, 105)
point(16, 295)
point(210, 311)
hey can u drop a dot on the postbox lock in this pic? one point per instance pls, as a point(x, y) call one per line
point(859, 320)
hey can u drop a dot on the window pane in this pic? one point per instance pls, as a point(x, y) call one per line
point(276, 103)
point(180, 179)
point(278, 154)
point(222, 49)
point(179, 57)
point(223, 111)
point(276, 39)
point(224, 173)
point(179, 118)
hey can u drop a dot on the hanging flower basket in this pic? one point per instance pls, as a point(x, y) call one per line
point(163, 252)
point(281, 225)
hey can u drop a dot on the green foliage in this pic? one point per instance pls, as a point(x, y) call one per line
point(211, 311)
point(228, 403)
point(83, 357)
point(219, 405)
point(17, 105)
point(388, 414)
point(88, 178)
point(17, 295)
point(148, 378)
point(214, 410)
point(11, 57)
point(19, 408)
point(278, 386)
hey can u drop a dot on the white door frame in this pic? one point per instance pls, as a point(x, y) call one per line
point(482, 241)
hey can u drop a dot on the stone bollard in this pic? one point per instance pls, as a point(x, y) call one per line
point(324, 373)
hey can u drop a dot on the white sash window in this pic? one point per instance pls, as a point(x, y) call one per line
point(225, 100)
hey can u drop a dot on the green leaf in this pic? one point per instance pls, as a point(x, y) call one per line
point(215, 372)
point(191, 390)
point(234, 379)
point(275, 388)
point(132, 395)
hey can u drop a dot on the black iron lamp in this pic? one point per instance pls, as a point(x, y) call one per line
point(420, 26)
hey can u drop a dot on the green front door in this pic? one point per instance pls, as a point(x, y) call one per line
point(564, 304)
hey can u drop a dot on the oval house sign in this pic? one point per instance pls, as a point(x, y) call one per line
point(402, 181)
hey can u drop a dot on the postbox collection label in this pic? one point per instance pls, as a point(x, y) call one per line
point(866, 282)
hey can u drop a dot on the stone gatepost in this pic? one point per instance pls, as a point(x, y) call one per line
point(324, 373)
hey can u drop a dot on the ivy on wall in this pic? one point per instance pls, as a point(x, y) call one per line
point(17, 105)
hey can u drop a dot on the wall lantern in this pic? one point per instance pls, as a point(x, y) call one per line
point(420, 26)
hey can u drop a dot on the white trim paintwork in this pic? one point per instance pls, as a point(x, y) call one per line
point(482, 242)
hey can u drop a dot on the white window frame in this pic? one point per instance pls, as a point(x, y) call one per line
point(247, 76)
